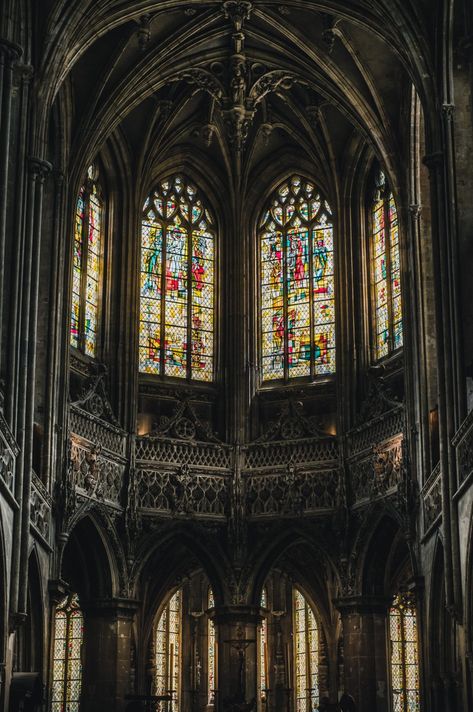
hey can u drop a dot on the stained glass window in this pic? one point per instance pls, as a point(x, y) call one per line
point(297, 283)
point(385, 271)
point(67, 659)
point(86, 266)
point(263, 651)
point(306, 643)
point(168, 651)
point(212, 654)
point(177, 283)
point(404, 654)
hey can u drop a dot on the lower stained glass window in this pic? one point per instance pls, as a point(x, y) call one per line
point(263, 652)
point(306, 642)
point(404, 654)
point(67, 656)
point(168, 652)
point(297, 283)
point(177, 283)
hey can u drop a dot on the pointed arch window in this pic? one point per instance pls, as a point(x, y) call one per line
point(297, 283)
point(385, 271)
point(86, 272)
point(306, 653)
point(211, 652)
point(404, 654)
point(263, 652)
point(177, 283)
point(168, 650)
point(67, 656)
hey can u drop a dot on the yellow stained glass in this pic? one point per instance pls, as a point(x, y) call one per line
point(67, 656)
point(306, 654)
point(404, 657)
point(168, 651)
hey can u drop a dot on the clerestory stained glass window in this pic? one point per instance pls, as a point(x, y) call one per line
point(404, 654)
point(385, 271)
point(67, 656)
point(263, 651)
point(297, 283)
point(212, 653)
point(177, 283)
point(306, 643)
point(88, 228)
point(168, 651)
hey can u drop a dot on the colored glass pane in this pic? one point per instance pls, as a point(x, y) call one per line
point(306, 652)
point(67, 659)
point(404, 654)
point(177, 284)
point(263, 651)
point(297, 284)
point(86, 268)
point(167, 647)
point(386, 274)
point(211, 655)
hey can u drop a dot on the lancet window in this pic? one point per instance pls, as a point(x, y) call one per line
point(306, 644)
point(177, 283)
point(297, 290)
point(168, 651)
point(385, 271)
point(404, 654)
point(86, 272)
point(67, 656)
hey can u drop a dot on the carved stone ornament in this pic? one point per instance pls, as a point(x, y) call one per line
point(184, 424)
point(292, 424)
point(93, 397)
point(379, 399)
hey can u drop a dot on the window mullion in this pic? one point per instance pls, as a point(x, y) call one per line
point(387, 230)
point(285, 304)
point(189, 300)
point(83, 276)
point(162, 326)
point(66, 659)
point(310, 228)
point(403, 662)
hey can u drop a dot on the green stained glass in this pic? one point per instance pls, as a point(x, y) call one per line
point(297, 284)
point(67, 656)
point(86, 268)
point(177, 284)
point(386, 275)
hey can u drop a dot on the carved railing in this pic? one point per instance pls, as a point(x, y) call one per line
point(432, 499)
point(8, 455)
point(306, 451)
point(378, 430)
point(291, 494)
point(159, 451)
point(463, 444)
point(378, 471)
point(99, 432)
point(40, 508)
point(96, 472)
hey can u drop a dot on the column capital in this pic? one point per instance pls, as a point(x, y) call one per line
point(10, 49)
point(362, 604)
point(38, 167)
point(415, 210)
point(58, 589)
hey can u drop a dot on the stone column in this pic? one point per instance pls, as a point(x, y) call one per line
point(364, 620)
point(236, 629)
point(107, 654)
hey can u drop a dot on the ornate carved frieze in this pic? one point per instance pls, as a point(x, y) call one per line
point(376, 430)
point(182, 492)
point(172, 452)
point(291, 493)
point(8, 454)
point(432, 498)
point(93, 396)
point(380, 472)
point(463, 442)
point(306, 451)
point(95, 474)
point(90, 427)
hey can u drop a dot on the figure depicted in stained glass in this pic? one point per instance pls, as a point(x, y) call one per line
point(297, 283)
point(306, 648)
point(404, 654)
point(86, 266)
point(177, 283)
point(67, 656)
point(168, 652)
point(385, 271)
